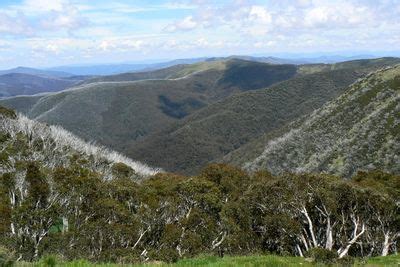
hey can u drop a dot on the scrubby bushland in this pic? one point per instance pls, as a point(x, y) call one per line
point(74, 212)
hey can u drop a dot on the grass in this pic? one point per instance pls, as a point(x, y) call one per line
point(213, 261)
point(392, 260)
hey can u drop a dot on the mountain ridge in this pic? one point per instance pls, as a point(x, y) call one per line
point(360, 130)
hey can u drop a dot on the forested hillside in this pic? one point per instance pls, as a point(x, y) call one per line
point(358, 130)
point(183, 117)
point(117, 113)
point(220, 128)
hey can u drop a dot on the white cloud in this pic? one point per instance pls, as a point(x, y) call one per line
point(32, 17)
point(260, 14)
point(41, 6)
point(339, 15)
point(188, 23)
point(15, 25)
point(68, 18)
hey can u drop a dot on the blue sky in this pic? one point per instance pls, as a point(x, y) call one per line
point(58, 32)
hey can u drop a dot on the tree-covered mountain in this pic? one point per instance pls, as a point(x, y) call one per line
point(360, 130)
point(116, 113)
point(23, 140)
point(218, 129)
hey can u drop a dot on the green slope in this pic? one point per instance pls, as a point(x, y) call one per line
point(213, 132)
point(226, 125)
point(117, 113)
point(173, 72)
point(360, 130)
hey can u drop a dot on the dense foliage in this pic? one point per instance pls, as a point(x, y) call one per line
point(76, 213)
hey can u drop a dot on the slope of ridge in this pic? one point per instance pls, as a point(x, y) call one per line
point(360, 130)
point(367, 65)
point(224, 126)
point(234, 71)
point(13, 84)
point(216, 130)
point(23, 140)
point(171, 72)
point(117, 113)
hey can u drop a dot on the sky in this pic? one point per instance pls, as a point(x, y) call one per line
point(40, 33)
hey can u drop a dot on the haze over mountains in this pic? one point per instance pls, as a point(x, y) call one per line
point(184, 116)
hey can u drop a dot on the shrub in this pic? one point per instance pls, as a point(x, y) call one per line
point(8, 113)
point(322, 255)
point(50, 261)
point(6, 257)
point(167, 255)
point(346, 261)
point(122, 170)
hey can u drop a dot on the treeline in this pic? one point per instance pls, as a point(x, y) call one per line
point(76, 213)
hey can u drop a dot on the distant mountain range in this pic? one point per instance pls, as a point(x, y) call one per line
point(13, 84)
point(117, 68)
point(109, 69)
point(36, 72)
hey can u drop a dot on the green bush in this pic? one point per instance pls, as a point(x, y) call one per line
point(6, 257)
point(122, 170)
point(50, 261)
point(346, 261)
point(167, 255)
point(322, 255)
point(8, 113)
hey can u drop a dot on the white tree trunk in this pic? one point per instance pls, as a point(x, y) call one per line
point(329, 235)
point(344, 250)
point(310, 226)
point(386, 245)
